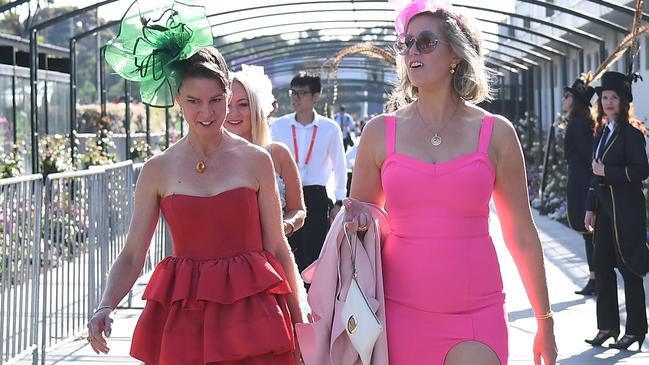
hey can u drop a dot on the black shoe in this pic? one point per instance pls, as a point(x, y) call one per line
point(628, 340)
point(589, 289)
point(602, 336)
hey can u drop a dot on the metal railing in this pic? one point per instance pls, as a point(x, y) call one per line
point(51, 279)
point(74, 230)
point(20, 230)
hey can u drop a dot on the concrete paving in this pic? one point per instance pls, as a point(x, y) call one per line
point(566, 272)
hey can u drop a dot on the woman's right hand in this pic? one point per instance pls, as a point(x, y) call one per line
point(589, 220)
point(356, 219)
point(100, 323)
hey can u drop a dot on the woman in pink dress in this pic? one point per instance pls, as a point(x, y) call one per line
point(434, 164)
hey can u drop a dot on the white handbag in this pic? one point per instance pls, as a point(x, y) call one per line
point(361, 324)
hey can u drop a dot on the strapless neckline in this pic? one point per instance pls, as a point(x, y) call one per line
point(243, 188)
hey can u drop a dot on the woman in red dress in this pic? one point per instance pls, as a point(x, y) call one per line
point(229, 293)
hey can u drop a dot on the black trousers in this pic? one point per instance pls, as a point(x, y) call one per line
point(307, 242)
point(605, 259)
point(588, 243)
point(348, 142)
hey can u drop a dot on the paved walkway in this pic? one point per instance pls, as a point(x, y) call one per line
point(566, 272)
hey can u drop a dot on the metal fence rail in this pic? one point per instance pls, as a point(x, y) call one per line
point(74, 229)
point(20, 231)
point(51, 279)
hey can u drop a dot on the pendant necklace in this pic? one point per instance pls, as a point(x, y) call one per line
point(200, 165)
point(436, 139)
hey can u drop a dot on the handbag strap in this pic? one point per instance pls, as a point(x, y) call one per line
point(352, 249)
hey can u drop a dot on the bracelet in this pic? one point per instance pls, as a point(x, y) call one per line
point(547, 315)
point(290, 233)
point(103, 307)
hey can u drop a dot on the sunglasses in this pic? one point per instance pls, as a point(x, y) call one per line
point(426, 42)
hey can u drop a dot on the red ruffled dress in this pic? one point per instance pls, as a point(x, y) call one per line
point(220, 299)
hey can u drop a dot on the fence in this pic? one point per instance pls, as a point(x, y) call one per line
point(85, 217)
point(20, 230)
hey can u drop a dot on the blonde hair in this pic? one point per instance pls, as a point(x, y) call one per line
point(258, 121)
point(471, 80)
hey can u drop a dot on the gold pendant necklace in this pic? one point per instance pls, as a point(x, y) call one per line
point(200, 166)
point(436, 139)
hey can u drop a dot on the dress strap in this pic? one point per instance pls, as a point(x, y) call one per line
point(390, 133)
point(486, 130)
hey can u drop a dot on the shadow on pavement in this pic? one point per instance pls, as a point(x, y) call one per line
point(597, 355)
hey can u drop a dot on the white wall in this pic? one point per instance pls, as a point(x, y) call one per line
point(591, 51)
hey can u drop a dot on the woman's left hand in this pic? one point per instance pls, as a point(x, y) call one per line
point(545, 346)
point(598, 168)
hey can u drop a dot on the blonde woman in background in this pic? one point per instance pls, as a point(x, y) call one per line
point(252, 100)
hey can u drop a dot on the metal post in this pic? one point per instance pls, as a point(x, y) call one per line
point(502, 95)
point(582, 61)
point(127, 118)
point(33, 81)
point(73, 94)
point(602, 52)
point(98, 48)
point(13, 97)
point(102, 80)
point(552, 86)
point(167, 128)
point(45, 101)
point(539, 91)
point(564, 71)
point(148, 124)
point(515, 95)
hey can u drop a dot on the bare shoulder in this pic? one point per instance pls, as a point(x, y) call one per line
point(154, 172)
point(256, 156)
point(280, 150)
point(374, 130)
point(504, 134)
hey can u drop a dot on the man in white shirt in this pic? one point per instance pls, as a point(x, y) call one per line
point(347, 124)
point(316, 145)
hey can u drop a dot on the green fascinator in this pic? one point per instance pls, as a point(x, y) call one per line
point(151, 44)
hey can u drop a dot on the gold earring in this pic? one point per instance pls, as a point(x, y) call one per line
point(452, 67)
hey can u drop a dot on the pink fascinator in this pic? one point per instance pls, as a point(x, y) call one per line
point(407, 9)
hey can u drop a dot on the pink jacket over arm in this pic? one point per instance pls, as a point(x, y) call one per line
point(325, 342)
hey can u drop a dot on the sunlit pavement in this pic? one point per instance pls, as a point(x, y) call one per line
point(566, 271)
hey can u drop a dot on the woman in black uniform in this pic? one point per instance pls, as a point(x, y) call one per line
point(615, 208)
point(578, 147)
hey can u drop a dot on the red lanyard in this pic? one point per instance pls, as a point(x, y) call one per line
point(308, 155)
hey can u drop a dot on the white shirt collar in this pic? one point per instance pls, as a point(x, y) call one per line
point(315, 122)
point(611, 125)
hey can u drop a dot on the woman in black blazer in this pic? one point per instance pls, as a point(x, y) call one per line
point(578, 148)
point(615, 208)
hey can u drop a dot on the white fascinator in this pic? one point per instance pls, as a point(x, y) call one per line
point(259, 84)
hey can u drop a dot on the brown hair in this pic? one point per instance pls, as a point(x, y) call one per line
point(625, 116)
point(207, 63)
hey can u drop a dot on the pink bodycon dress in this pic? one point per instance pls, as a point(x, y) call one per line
point(440, 269)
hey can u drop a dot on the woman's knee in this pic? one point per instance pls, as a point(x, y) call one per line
point(471, 352)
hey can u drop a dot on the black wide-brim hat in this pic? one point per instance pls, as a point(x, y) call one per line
point(616, 81)
point(581, 91)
